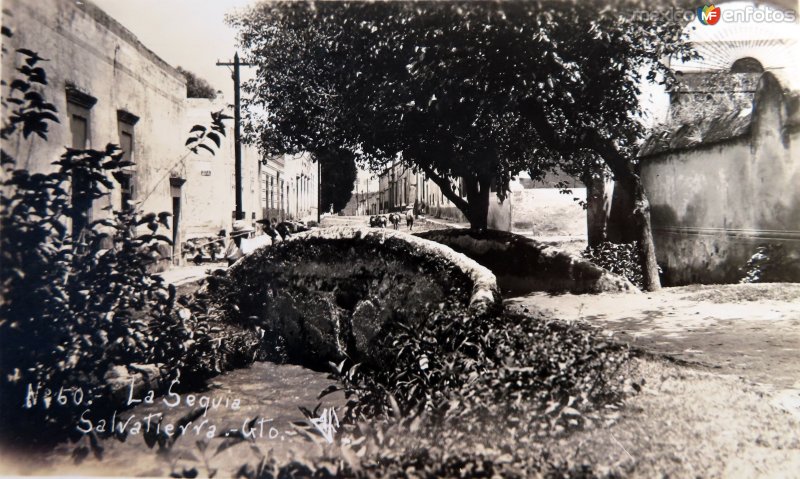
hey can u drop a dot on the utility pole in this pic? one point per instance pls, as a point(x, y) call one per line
point(237, 132)
point(319, 188)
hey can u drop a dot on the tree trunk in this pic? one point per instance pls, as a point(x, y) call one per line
point(652, 282)
point(640, 221)
point(476, 207)
point(620, 228)
point(478, 194)
point(622, 169)
point(596, 212)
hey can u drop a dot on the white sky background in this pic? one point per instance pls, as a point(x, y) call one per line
point(187, 33)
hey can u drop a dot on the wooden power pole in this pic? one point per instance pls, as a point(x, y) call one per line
point(237, 132)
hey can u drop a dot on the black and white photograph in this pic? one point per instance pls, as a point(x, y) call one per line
point(276, 239)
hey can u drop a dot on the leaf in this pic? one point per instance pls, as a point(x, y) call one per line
point(206, 147)
point(163, 238)
point(97, 449)
point(215, 138)
point(163, 218)
point(396, 412)
point(79, 453)
point(197, 128)
point(230, 442)
point(20, 85)
point(329, 390)
point(185, 420)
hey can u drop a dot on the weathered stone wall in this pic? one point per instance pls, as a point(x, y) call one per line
point(330, 292)
point(706, 95)
point(91, 51)
point(522, 265)
point(713, 204)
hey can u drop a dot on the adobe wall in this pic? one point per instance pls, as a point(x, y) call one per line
point(209, 190)
point(93, 52)
point(712, 205)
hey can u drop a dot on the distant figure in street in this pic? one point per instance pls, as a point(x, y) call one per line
point(410, 219)
point(218, 245)
point(394, 219)
point(285, 229)
point(239, 231)
point(269, 228)
point(377, 221)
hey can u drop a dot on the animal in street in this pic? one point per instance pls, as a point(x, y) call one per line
point(409, 219)
point(377, 221)
point(394, 219)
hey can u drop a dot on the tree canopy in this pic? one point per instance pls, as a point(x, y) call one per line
point(197, 87)
point(472, 90)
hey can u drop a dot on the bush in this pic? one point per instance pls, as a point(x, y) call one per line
point(420, 463)
point(464, 396)
point(771, 263)
point(77, 300)
point(459, 365)
point(469, 396)
point(622, 259)
point(197, 87)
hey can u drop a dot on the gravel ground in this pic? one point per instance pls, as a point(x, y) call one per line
point(689, 423)
point(749, 330)
point(420, 224)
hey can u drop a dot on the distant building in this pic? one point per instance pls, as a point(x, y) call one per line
point(302, 187)
point(274, 188)
point(402, 187)
point(362, 203)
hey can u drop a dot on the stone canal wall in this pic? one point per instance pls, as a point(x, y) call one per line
point(328, 293)
point(523, 265)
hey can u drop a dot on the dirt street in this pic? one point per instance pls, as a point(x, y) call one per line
point(748, 330)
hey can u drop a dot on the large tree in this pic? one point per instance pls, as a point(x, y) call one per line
point(477, 91)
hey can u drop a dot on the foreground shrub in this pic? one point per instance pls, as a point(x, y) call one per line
point(458, 366)
point(78, 296)
point(469, 396)
point(621, 259)
point(322, 299)
point(421, 463)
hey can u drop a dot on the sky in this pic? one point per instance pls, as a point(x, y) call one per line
point(187, 33)
point(191, 34)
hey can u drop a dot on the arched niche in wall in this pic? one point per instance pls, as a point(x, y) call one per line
point(747, 65)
